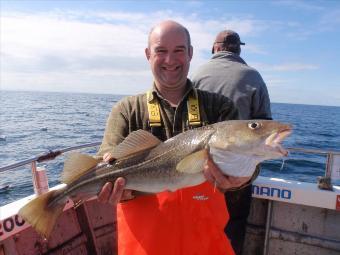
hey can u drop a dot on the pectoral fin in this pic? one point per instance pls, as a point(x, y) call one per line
point(193, 163)
point(137, 141)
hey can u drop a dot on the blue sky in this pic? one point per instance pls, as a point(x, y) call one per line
point(98, 46)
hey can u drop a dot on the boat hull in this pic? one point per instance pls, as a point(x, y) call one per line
point(286, 217)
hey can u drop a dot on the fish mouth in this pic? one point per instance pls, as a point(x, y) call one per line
point(274, 141)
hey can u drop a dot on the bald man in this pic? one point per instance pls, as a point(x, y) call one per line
point(190, 220)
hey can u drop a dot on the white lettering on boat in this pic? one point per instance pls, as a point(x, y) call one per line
point(271, 192)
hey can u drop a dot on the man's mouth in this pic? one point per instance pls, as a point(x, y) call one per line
point(170, 68)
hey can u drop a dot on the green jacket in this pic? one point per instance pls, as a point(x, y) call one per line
point(131, 114)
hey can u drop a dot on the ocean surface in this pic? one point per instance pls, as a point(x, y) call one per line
point(32, 123)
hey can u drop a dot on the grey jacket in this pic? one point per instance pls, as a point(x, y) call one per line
point(228, 74)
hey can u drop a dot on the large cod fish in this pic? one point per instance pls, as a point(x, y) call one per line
point(152, 166)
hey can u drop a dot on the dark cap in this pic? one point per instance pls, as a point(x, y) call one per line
point(228, 37)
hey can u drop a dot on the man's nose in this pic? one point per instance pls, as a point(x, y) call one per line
point(169, 58)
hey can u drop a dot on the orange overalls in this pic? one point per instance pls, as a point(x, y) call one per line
point(189, 221)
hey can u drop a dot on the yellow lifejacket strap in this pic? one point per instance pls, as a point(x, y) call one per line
point(194, 117)
point(153, 109)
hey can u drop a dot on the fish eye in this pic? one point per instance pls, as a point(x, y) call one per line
point(254, 125)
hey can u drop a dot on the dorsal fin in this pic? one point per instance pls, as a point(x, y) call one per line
point(136, 141)
point(76, 165)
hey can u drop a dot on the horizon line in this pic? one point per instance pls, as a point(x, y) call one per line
point(123, 95)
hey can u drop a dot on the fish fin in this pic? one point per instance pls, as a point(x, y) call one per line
point(41, 216)
point(76, 165)
point(135, 142)
point(193, 163)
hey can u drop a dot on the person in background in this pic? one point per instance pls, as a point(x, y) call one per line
point(169, 223)
point(226, 73)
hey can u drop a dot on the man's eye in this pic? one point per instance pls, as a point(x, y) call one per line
point(179, 50)
point(160, 51)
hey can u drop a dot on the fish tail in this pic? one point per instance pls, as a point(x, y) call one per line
point(41, 213)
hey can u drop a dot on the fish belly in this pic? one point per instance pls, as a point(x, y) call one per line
point(156, 185)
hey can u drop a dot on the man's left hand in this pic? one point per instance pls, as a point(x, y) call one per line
point(215, 176)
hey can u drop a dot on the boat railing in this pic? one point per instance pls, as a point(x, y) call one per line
point(47, 156)
point(332, 169)
point(39, 177)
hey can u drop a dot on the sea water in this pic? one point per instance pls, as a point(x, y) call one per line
point(33, 123)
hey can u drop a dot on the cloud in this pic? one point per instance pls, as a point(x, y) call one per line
point(252, 48)
point(276, 81)
point(284, 67)
point(294, 67)
point(298, 5)
point(325, 17)
point(59, 45)
point(59, 50)
point(330, 20)
point(293, 93)
point(38, 34)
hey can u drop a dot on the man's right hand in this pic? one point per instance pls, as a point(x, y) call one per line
point(114, 193)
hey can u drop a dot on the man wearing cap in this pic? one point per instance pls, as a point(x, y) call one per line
point(228, 74)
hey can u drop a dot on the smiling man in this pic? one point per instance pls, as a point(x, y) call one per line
point(169, 54)
point(190, 220)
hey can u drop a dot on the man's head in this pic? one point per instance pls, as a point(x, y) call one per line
point(227, 40)
point(169, 53)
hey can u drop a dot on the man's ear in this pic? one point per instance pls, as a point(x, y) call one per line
point(216, 48)
point(191, 52)
point(147, 53)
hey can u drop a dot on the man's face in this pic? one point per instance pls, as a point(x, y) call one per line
point(169, 55)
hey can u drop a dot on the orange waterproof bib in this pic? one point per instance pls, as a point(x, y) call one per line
point(189, 221)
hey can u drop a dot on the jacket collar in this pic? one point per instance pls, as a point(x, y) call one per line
point(229, 56)
point(155, 93)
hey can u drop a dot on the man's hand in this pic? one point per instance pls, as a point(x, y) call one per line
point(215, 176)
point(114, 193)
point(107, 157)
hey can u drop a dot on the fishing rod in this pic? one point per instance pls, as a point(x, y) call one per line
point(47, 156)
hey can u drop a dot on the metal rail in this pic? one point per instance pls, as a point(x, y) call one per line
point(47, 156)
point(329, 160)
point(268, 227)
point(313, 151)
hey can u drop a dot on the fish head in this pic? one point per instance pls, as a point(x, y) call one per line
point(257, 138)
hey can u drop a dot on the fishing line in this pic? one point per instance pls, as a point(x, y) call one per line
point(283, 162)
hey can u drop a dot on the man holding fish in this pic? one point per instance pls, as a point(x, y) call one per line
point(170, 222)
point(179, 212)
